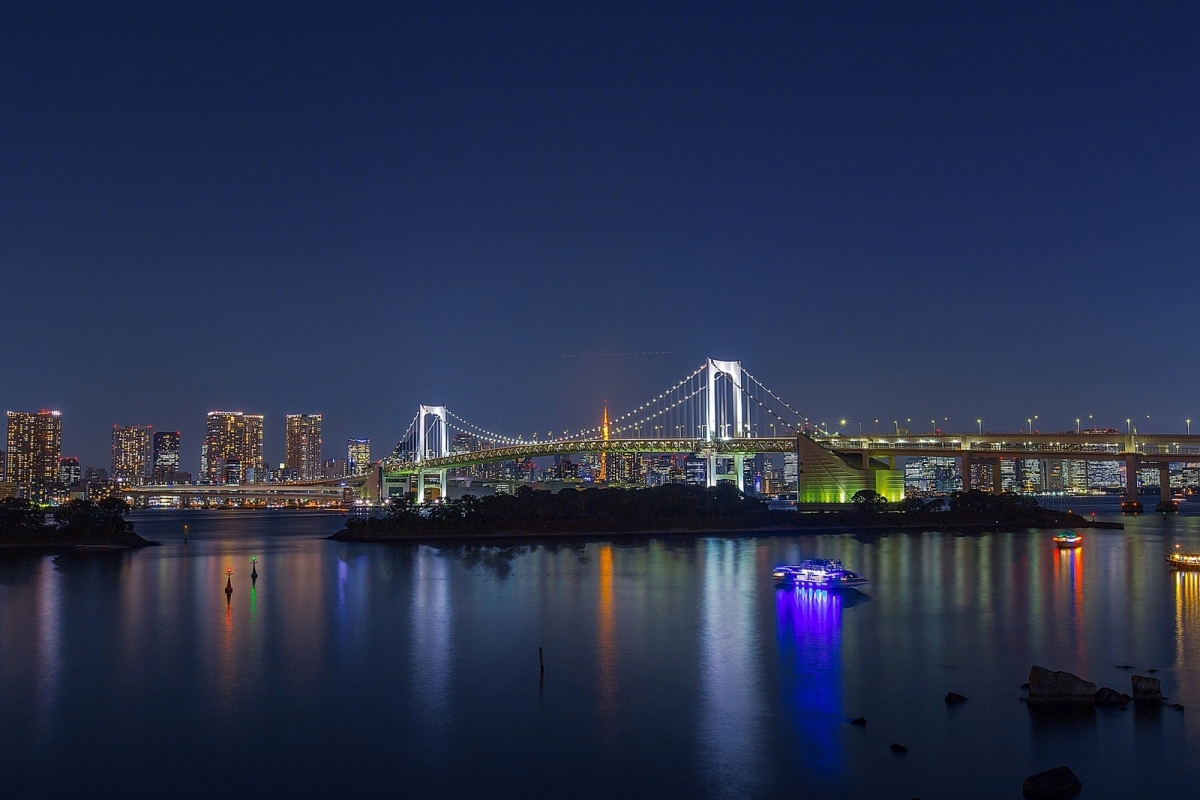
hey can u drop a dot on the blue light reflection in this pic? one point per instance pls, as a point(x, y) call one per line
point(809, 629)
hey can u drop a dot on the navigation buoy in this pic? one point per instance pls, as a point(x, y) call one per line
point(228, 583)
point(541, 662)
point(253, 568)
point(185, 534)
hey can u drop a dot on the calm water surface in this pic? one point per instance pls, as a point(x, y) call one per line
point(673, 666)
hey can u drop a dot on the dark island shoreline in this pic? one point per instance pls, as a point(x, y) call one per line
point(79, 525)
point(678, 511)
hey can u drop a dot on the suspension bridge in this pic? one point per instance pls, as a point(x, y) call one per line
point(721, 411)
point(718, 411)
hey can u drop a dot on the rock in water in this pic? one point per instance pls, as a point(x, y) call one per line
point(1177, 706)
point(1111, 697)
point(1147, 690)
point(1057, 782)
point(859, 721)
point(1047, 687)
point(898, 748)
point(954, 698)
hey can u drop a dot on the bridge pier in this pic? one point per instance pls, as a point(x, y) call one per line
point(710, 470)
point(966, 472)
point(1164, 482)
point(1131, 476)
point(739, 466)
point(997, 479)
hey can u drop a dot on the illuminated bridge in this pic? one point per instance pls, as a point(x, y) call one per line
point(721, 411)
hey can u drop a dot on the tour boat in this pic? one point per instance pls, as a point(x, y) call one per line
point(1180, 560)
point(1068, 539)
point(820, 573)
point(1131, 507)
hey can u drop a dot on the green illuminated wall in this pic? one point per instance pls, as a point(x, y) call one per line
point(826, 477)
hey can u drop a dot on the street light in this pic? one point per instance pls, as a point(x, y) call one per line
point(1128, 425)
point(1077, 424)
point(979, 422)
point(1189, 424)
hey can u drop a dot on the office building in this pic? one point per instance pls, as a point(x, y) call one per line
point(333, 468)
point(302, 445)
point(231, 436)
point(69, 471)
point(695, 470)
point(34, 449)
point(165, 457)
point(358, 456)
point(130, 454)
point(929, 475)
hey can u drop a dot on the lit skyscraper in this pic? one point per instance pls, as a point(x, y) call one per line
point(166, 456)
point(358, 456)
point(69, 472)
point(302, 445)
point(34, 448)
point(231, 436)
point(130, 454)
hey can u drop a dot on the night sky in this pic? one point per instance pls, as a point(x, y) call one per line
point(887, 212)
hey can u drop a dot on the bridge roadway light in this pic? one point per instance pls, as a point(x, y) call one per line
point(979, 422)
point(1189, 424)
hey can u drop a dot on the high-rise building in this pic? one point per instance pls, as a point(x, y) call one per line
point(131, 454)
point(69, 471)
point(166, 457)
point(231, 436)
point(34, 448)
point(358, 456)
point(302, 445)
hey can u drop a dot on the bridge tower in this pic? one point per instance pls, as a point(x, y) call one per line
point(712, 421)
point(440, 446)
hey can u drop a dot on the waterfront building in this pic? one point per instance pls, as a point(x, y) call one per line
point(34, 449)
point(791, 471)
point(165, 457)
point(695, 470)
point(589, 467)
point(1148, 476)
point(358, 456)
point(624, 469)
point(1008, 475)
point(231, 436)
point(1029, 474)
point(130, 454)
point(926, 475)
point(69, 471)
point(302, 445)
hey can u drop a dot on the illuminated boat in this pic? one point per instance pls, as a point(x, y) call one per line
point(819, 573)
point(1068, 539)
point(1180, 560)
point(1131, 507)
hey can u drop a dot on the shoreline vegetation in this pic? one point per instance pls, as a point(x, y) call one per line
point(77, 523)
point(681, 510)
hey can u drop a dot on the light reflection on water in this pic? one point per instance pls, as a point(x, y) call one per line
point(674, 665)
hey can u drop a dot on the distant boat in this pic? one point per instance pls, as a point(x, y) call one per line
point(1068, 539)
point(819, 573)
point(1180, 560)
point(1131, 506)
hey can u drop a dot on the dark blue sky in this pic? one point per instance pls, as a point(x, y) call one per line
point(883, 211)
